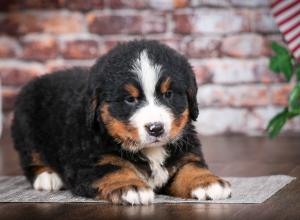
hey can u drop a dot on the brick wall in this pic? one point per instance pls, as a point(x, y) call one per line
point(226, 41)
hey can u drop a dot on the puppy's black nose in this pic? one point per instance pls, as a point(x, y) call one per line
point(155, 129)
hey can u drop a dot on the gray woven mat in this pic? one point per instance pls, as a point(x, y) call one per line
point(244, 190)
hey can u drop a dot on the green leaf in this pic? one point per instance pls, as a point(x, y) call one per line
point(294, 98)
point(287, 68)
point(297, 71)
point(281, 50)
point(274, 65)
point(294, 113)
point(281, 62)
point(277, 122)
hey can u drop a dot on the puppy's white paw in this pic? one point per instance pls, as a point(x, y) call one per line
point(138, 197)
point(48, 182)
point(214, 191)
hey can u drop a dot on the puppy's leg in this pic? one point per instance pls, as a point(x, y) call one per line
point(194, 180)
point(41, 176)
point(124, 187)
point(120, 182)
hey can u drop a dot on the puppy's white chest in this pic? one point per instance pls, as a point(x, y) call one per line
point(156, 157)
point(158, 177)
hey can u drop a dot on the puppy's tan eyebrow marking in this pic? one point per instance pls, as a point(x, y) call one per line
point(132, 90)
point(165, 85)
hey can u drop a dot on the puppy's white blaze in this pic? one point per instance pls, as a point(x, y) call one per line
point(214, 191)
point(48, 182)
point(148, 74)
point(143, 196)
point(156, 157)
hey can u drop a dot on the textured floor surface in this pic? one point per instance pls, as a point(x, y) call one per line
point(236, 156)
point(244, 190)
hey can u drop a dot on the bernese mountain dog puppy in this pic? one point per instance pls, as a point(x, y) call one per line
point(119, 131)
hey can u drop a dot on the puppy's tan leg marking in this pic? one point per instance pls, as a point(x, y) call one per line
point(125, 186)
point(192, 181)
point(187, 158)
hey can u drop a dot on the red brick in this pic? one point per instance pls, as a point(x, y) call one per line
point(117, 4)
point(212, 121)
point(80, 63)
point(13, 5)
point(107, 45)
point(180, 3)
point(252, 3)
point(39, 48)
point(245, 45)
point(264, 75)
point(60, 64)
point(257, 120)
point(8, 47)
point(15, 73)
point(183, 23)
point(275, 37)
point(201, 47)
point(8, 98)
point(168, 4)
point(203, 75)
point(17, 23)
point(126, 24)
point(50, 22)
point(262, 21)
point(249, 96)
point(173, 42)
point(280, 94)
point(7, 119)
point(214, 3)
point(292, 126)
point(229, 71)
point(80, 49)
point(55, 65)
point(84, 5)
point(234, 96)
point(206, 21)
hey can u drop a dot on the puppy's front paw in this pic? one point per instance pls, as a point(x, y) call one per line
point(194, 181)
point(48, 182)
point(132, 196)
point(214, 189)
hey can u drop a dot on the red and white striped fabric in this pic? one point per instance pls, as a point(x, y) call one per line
point(287, 17)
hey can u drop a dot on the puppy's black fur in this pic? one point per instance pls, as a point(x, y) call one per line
point(58, 122)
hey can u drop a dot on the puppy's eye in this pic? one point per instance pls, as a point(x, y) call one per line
point(168, 94)
point(130, 100)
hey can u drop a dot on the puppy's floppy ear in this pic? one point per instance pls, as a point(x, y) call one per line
point(91, 115)
point(94, 95)
point(192, 96)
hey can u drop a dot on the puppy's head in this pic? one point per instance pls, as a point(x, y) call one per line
point(144, 94)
